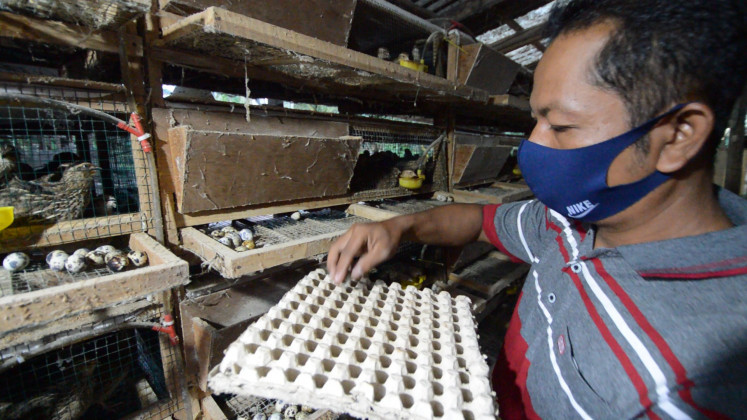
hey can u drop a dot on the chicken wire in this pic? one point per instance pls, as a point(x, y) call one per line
point(43, 151)
point(241, 407)
point(123, 373)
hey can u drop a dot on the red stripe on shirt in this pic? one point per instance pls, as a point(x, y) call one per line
point(510, 373)
point(488, 226)
point(696, 276)
point(622, 357)
point(679, 370)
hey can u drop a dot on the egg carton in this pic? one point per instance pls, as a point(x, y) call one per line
point(370, 350)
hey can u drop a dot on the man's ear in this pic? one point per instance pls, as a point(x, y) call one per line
point(681, 136)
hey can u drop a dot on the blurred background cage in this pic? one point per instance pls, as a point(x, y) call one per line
point(57, 197)
point(115, 368)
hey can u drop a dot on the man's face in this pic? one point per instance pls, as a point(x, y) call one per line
point(571, 112)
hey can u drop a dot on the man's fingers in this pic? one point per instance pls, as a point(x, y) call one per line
point(352, 248)
point(334, 253)
point(375, 256)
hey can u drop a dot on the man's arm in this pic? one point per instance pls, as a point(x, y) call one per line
point(374, 243)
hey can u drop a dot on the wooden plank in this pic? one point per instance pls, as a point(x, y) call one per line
point(210, 343)
point(270, 168)
point(58, 33)
point(211, 410)
point(214, 24)
point(463, 196)
point(89, 13)
point(327, 20)
point(14, 238)
point(61, 82)
point(31, 334)
point(45, 305)
point(232, 264)
point(490, 70)
point(372, 213)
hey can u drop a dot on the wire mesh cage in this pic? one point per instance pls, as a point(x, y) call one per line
point(59, 168)
point(387, 151)
point(237, 407)
point(122, 369)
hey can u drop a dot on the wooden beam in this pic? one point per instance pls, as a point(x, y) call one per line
point(518, 40)
point(58, 33)
point(61, 82)
point(210, 409)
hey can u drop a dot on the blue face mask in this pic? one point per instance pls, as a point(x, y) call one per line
point(573, 182)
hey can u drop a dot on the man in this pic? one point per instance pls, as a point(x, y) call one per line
point(635, 304)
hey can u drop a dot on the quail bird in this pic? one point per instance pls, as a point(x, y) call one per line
point(56, 201)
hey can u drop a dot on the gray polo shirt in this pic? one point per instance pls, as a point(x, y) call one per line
point(653, 330)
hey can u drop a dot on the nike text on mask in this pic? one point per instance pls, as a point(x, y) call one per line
point(574, 181)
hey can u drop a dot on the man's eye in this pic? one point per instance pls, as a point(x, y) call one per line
point(560, 128)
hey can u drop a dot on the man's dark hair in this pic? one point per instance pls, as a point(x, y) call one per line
point(665, 51)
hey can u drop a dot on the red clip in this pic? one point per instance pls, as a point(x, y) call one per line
point(167, 327)
point(137, 131)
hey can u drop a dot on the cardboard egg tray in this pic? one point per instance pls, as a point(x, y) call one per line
point(370, 350)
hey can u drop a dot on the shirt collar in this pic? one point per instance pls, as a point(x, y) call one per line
point(709, 255)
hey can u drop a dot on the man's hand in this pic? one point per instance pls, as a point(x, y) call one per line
point(374, 243)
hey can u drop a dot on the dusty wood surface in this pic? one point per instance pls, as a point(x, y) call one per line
point(14, 238)
point(327, 20)
point(372, 213)
point(31, 334)
point(245, 39)
point(220, 171)
point(489, 70)
point(224, 316)
point(88, 13)
point(232, 264)
point(61, 82)
point(478, 163)
point(498, 195)
point(58, 33)
point(41, 306)
point(211, 410)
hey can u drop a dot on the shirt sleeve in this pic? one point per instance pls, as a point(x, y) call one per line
point(517, 229)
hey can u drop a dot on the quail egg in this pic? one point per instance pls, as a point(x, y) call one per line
point(249, 244)
point(279, 406)
point(226, 241)
point(276, 416)
point(56, 260)
point(234, 237)
point(116, 261)
point(229, 229)
point(112, 254)
point(16, 261)
point(81, 252)
point(306, 409)
point(105, 249)
point(241, 248)
point(246, 234)
point(75, 263)
point(296, 216)
point(301, 416)
point(95, 257)
point(260, 416)
point(138, 258)
point(290, 411)
point(217, 234)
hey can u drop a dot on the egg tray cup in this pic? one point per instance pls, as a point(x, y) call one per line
point(370, 350)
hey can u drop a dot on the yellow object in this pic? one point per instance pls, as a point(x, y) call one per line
point(412, 183)
point(417, 282)
point(6, 217)
point(414, 65)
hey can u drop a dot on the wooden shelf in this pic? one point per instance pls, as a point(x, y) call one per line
point(89, 13)
point(42, 306)
point(496, 193)
point(271, 52)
